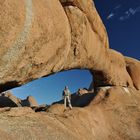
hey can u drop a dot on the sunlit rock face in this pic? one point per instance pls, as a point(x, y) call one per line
point(133, 68)
point(114, 114)
point(39, 38)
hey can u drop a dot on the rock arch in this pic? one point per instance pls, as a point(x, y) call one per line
point(53, 36)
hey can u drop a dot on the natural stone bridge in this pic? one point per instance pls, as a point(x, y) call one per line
point(39, 38)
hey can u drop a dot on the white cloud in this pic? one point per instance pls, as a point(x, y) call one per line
point(132, 11)
point(118, 6)
point(116, 13)
point(111, 15)
point(129, 13)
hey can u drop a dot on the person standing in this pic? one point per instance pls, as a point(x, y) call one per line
point(67, 97)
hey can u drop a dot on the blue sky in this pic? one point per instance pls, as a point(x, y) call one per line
point(122, 21)
point(49, 89)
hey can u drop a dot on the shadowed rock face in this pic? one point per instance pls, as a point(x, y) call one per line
point(30, 102)
point(39, 38)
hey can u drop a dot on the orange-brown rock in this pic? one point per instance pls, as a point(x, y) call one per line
point(39, 38)
point(7, 99)
point(30, 102)
point(82, 91)
point(42, 37)
point(116, 116)
point(133, 68)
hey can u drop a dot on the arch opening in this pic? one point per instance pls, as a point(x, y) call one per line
point(48, 90)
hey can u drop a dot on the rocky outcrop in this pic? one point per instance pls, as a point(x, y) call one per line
point(29, 101)
point(113, 116)
point(133, 68)
point(79, 99)
point(7, 102)
point(7, 99)
point(39, 38)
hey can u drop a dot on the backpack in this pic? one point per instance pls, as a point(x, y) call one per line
point(66, 92)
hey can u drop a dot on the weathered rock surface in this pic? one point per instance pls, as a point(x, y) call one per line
point(133, 68)
point(116, 116)
point(81, 98)
point(42, 37)
point(39, 38)
point(30, 102)
point(7, 99)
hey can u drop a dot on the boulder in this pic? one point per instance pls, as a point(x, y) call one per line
point(29, 101)
point(6, 102)
point(7, 99)
point(133, 68)
point(82, 91)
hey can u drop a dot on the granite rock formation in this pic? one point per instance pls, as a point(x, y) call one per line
point(30, 102)
point(133, 68)
point(115, 116)
point(81, 98)
point(7, 99)
point(39, 38)
point(42, 37)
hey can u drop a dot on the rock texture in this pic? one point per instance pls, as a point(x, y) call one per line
point(81, 98)
point(39, 38)
point(7, 99)
point(113, 116)
point(29, 101)
point(42, 37)
point(133, 68)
